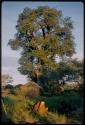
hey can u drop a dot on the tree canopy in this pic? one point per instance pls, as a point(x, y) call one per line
point(42, 33)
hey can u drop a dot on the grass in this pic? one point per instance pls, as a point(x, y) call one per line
point(17, 110)
point(6, 119)
point(63, 102)
point(69, 102)
point(63, 108)
point(56, 118)
point(21, 112)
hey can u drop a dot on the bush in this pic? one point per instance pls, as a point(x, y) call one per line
point(47, 94)
point(9, 86)
point(64, 102)
point(12, 91)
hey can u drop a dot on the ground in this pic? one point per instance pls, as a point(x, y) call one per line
point(63, 108)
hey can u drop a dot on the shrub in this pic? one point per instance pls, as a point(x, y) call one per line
point(47, 94)
point(12, 91)
point(9, 86)
point(64, 102)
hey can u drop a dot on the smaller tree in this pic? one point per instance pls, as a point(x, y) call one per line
point(70, 70)
point(5, 79)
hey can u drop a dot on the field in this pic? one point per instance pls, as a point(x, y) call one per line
point(63, 108)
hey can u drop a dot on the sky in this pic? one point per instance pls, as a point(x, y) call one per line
point(10, 13)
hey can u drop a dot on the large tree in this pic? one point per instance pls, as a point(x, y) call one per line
point(42, 33)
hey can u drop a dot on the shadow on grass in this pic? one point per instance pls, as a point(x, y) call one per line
point(5, 119)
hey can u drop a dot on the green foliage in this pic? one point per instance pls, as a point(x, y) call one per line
point(13, 91)
point(8, 86)
point(50, 78)
point(65, 102)
point(42, 46)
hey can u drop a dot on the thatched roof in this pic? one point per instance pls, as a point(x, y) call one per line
point(31, 89)
point(33, 84)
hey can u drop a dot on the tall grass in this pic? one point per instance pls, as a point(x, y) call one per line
point(62, 108)
point(20, 112)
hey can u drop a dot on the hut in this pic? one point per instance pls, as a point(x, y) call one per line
point(31, 89)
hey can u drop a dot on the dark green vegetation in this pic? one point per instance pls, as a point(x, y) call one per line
point(65, 107)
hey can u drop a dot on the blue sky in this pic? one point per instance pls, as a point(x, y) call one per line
point(10, 12)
